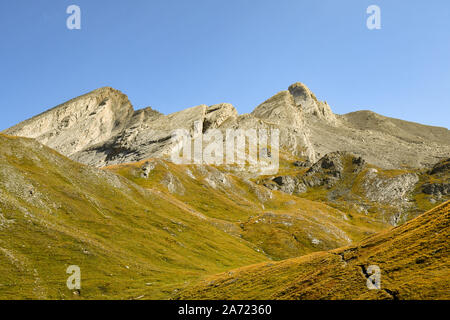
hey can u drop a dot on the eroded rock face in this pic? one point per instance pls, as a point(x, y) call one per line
point(441, 167)
point(385, 142)
point(216, 115)
point(173, 184)
point(437, 189)
point(331, 163)
point(342, 178)
point(330, 168)
point(441, 176)
point(147, 136)
point(79, 123)
point(287, 184)
point(280, 112)
point(308, 103)
point(101, 128)
point(328, 171)
point(389, 189)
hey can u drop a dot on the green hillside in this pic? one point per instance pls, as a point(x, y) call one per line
point(156, 230)
point(135, 237)
point(413, 258)
point(127, 240)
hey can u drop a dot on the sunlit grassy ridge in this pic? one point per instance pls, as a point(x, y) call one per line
point(413, 258)
point(280, 225)
point(133, 238)
point(128, 241)
point(148, 229)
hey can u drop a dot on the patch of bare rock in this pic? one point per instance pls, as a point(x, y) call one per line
point(101, 128)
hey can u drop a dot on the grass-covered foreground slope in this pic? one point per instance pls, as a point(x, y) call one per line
point(148, 229)
point(143, 232)
point(128, 241)
point(277, 224)
point(413, 258)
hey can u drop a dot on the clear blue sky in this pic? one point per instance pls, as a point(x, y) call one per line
point(175, 54)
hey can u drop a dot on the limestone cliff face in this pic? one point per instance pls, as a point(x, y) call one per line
point(149, 135)
point(79, 123)
point(308, 103)
point(101, 128)
point(216, 115)
point(282, 112)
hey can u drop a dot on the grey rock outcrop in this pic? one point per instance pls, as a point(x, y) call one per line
point(389, 189)
point(442, 167)
point(101, 128)
point(287, 184)
point(173, 184)
point(330, 168)
point(302, 164)
point(308, 103)
point(281, 112)
point(263, 194)
point(436, 189)
point(440, 185)
point(331, 163)
point(79, 123)
point(326, 172)
point(392, 191)
point(385, 142)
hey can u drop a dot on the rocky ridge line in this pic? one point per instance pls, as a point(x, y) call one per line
point(101, 128)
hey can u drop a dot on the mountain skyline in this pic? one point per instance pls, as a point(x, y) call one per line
point(172, 55)
point(102, 128)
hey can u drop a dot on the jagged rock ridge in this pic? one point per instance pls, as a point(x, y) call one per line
point(101, 128)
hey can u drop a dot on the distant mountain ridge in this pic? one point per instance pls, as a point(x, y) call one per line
point(101, 128)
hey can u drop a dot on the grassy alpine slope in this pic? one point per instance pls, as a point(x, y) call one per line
point(150, 228)
point(413, 258)
point(128, 241)
point(143, 237)
point(280, 225)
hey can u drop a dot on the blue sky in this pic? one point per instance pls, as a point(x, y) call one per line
point(176, 54)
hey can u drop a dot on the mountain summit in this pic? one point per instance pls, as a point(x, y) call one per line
point(102, 128)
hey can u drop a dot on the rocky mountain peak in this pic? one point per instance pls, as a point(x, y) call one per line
point(101, 128)
point(73, 125)
point(309, 104)
point(218, 114)
point(279, 109)
point(300, 92)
